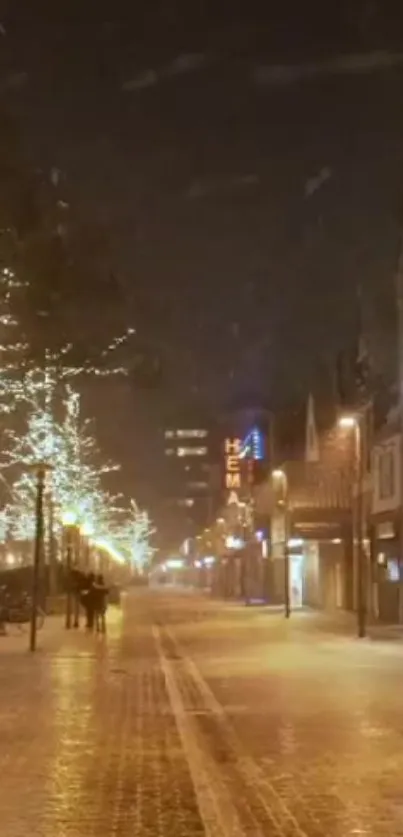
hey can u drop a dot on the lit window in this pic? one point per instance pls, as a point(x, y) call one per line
point(192, 451)
point(169, 434)
point(191, 434)
point(169, 451)
point(199, 484)
point(187, 502)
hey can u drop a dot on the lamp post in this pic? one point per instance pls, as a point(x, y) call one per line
point(69, 523)
point(353, 423)
point(41, 469)
point(52, 544)
point(87, 531)
point(280, 477)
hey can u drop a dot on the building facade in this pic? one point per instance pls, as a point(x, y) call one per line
point(311, 522)
point(386, 525)
point(191, 470)
point(243, 460)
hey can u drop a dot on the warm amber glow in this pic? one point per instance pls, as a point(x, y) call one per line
point(232, 465)
point(347, 422)
point(105, 546)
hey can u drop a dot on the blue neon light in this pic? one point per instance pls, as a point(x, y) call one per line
point(253, 445)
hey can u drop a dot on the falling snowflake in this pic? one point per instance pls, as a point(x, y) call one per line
point(314, 183)
point(147, 79)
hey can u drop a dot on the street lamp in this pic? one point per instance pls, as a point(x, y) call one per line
point(69, 518)
point(41, 469)
point(280, 476)
point(353, 423)
point(87, 532)
point(348, 422)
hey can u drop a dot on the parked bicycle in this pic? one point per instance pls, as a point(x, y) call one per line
point(16, 611)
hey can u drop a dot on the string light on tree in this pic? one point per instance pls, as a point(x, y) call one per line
point(76, 476)
point(21, 371)
point(32, 395)
point(135, 535)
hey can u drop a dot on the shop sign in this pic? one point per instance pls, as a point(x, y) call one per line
point(232, 464)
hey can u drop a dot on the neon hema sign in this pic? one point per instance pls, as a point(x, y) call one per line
point(232, 464)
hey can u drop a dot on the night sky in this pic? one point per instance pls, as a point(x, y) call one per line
point(246, 168)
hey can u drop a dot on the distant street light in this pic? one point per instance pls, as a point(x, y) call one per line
point(348, 422)
point(353, 422)
point(280, 476)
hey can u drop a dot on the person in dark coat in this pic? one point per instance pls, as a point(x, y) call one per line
point(88, 600)
point(101, 602)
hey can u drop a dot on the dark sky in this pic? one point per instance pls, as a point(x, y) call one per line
point(247, 166)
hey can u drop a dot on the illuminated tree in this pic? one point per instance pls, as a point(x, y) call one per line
point(12, 348)
point(22, 376)
point(69, 448)
point(82, 469)
point(134, 537)
point(47, 263)
point(75, 482)
point(32, 396)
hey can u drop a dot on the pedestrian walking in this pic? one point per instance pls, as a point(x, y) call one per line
point(101, 602)
point(88, 598)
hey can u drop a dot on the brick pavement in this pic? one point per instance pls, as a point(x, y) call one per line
point(312, 724)
point(191, 718)
point(89, 744)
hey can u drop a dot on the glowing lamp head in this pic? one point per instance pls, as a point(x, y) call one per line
point(69, 518)
point(347, 422)
point(278, 474)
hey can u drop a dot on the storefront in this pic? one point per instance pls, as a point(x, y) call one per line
point(386, 514)
point(385, 569)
